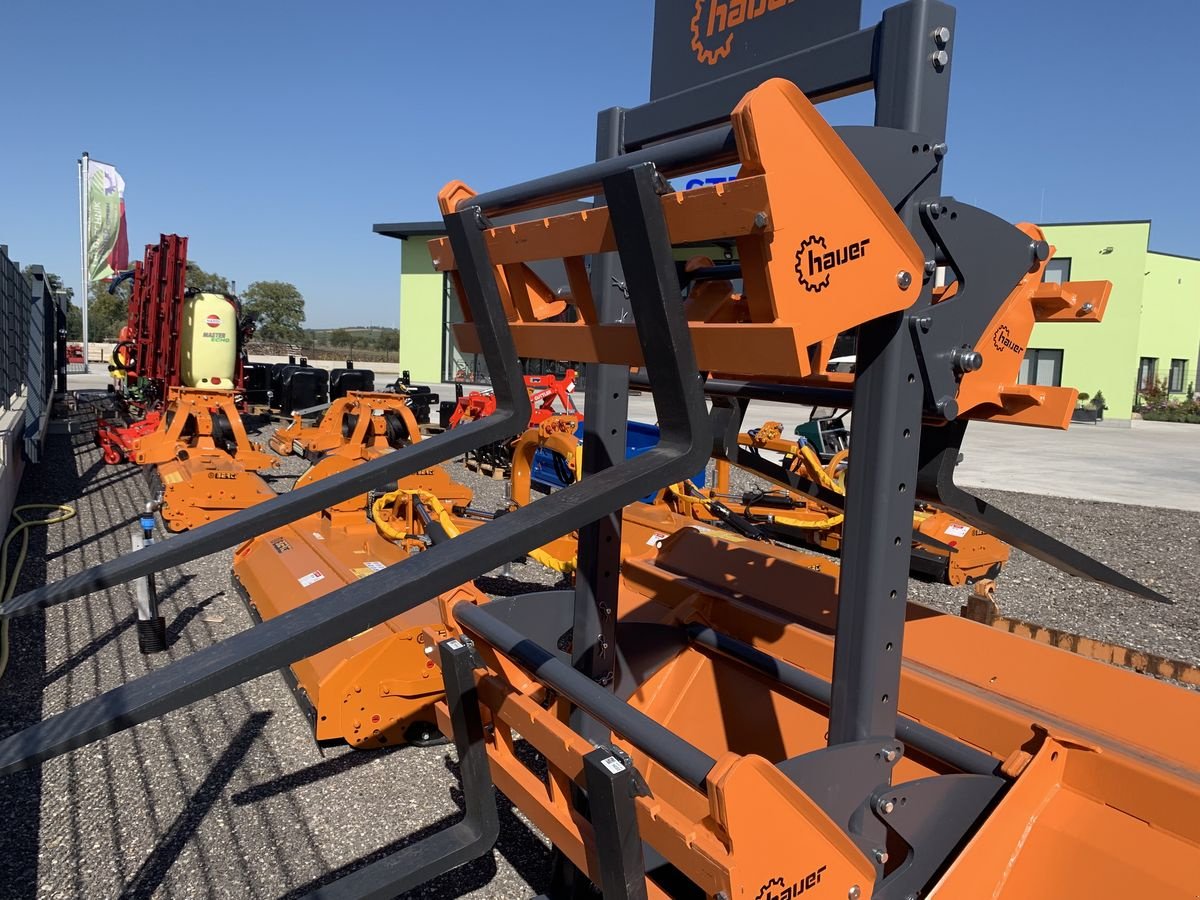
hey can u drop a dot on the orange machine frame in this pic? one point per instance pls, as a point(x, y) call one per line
point(331, 432)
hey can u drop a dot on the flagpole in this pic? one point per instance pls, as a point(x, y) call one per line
point(83, 240)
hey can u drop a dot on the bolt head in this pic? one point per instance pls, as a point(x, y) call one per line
point(890, 754)
point(854, 893)
point(941, 36)
point(1040, 250)
point(940, 59)
point(881, 856)
point(760, 220)
point(904, 279)
point(1086, 308)
point(887, 806)
point(967, 360)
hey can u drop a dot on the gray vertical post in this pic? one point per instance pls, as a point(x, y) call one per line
point(151, 627)
point(593, 631)
point(606, 412)
point(912, 92)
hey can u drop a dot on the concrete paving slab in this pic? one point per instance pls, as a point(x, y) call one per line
point(1148, 464)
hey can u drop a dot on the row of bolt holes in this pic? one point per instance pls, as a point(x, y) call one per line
point(903, 487)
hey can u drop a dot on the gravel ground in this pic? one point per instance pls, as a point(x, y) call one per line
point(230, 797)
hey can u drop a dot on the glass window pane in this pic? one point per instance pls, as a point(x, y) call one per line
point(1058, 270)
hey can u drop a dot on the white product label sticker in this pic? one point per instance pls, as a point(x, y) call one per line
point(318, 536)
point(375, 566)
point(613, 765)
point(312, 578)
point(656, 539)
point(958, 530)
point(454, 644)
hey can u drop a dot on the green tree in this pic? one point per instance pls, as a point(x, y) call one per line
point(388, 340)
point(199, 280)
point(340, 337)
point(279, 307)
point(107, 313)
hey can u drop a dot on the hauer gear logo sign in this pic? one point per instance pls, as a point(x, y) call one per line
point(815, 261)
point(1002, 341)
point(778, 889)
point(714, 22)
point(213, 321)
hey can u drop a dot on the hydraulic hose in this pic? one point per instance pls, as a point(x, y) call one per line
point(8, 586)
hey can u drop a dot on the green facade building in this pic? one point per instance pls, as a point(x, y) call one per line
point(1150, 332)
point(1151, 328)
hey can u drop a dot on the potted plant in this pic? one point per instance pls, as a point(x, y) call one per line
point(1099, 405)
point(1084, 412)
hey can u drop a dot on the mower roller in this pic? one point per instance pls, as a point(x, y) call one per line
point(724, 719)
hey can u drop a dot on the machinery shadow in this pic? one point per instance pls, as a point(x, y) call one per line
point(520, 846)
point(149, 876)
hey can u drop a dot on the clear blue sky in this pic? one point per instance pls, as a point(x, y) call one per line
point(275, 134)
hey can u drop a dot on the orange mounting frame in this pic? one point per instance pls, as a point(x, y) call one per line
point(822, 252)
point(184, 404)
point(329, 435)
point(992, 393)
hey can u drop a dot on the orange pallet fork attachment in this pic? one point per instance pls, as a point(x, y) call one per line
point(364, 419)
point(794, 297)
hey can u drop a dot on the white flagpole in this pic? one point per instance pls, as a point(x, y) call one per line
point(83, 241)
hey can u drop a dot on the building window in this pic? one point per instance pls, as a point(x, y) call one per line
point(1058, 270)
point(1042, 367)
point(1147, 372)
point(1178, 377)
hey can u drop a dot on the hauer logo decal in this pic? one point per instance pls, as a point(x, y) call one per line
point(714, 21)
point(214, 321)
point(777, 889)
point(815, 261)
point(1002, 341)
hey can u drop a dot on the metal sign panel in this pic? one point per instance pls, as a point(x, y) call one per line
point(697, 41)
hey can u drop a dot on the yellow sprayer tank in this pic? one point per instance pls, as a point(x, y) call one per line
point(208, 345)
